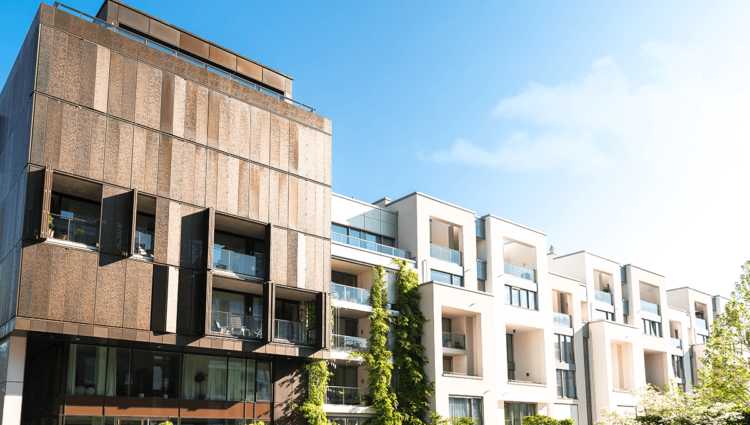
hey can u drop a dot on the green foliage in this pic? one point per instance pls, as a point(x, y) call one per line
point(545, 420)
point(379, 366)
point(437, 419)
point(725, 374)
point(51, 219)
point(317, 385)
point(414, 388)
point(165, 423)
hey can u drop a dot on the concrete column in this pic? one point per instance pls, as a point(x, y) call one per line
point(12, 359)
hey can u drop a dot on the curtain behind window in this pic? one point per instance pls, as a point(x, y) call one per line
point(215, 370)
point(459, 407)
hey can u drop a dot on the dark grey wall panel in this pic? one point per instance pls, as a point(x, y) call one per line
point(193, 241)
point(26, 282)
point(38, 132)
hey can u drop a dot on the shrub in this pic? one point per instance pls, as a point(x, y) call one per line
point(546, 420)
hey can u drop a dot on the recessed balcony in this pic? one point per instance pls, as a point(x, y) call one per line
point(237, 263)
point(701, 323)
point(454, 344)
point(562, 319)
point(604, 297)
point(293, 332)
point(350, 294)
point(237, 324)
point(445, 254)
point(676, 342)
point(349, 344)
point(650, 307)
point(349, 396)
point(520, 271)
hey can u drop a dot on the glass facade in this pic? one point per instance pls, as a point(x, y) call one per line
point(566, 384)
point(447, 278)
point(564, 349)
point(521, 297)
point(515, 412)
point(651, 328)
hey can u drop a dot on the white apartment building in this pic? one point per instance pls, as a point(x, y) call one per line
point(512, 329)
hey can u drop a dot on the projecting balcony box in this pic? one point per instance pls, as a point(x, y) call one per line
point(350, 288)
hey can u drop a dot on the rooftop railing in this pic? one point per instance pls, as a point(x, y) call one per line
point(350, 396)
point(173, 52)
point(520, 271)
point(349, 344)
point(445, 254)
point(74, 229)
point(561, 319)
point(244, 264)
point(602, 296)
point(349, 294)
point(372, 246)
point(650, 307)
point(236, 324)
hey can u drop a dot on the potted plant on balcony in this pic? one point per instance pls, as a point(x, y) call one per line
point(51, 219)
point(78, 234)
point(199, 378)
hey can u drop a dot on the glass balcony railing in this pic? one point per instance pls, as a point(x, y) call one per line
point(676, 343)
point(236, 324)
point(248, 265)
point(625, 307)
point(349, 344)
point(73, 229)
point(173, 52)
point(479, 227)
point(562, 319)
point(144, 243)
point(372, 246)
point(650, 307)
point(604, 297)
point(456, 341)
point(350, 396)
point(520, 271)
point(481, 270)
point(445, 254)
point(294, 332)
point(701, 323)
point(349, 294)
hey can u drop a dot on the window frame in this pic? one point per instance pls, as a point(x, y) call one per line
point(524, 296)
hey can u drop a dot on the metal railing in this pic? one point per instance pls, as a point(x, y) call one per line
point(479, 227)
point(562, 319)
point(349, 344)
point(701, 323)
point(650, 307)
point(625, 307)
point(481, 269)
point(445, 254)
point(676, 343)
point(173, 52)
point(372, 246)
point(294, 332)
point(74, 230)
point(602, 296)
point(144, 243)
point(456, 341)
point(235, 262)
point(236, 324)
point(349, 294)
point(351, 396)
point(520, 271)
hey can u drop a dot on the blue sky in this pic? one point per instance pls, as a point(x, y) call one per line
point(620, 128)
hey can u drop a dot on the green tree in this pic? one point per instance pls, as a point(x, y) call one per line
point(414, 389)
point(725, 375)
point(317, 385)
point(379, 359)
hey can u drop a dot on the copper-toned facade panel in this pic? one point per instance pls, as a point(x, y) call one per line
point(73, 69)
point(293, 210)
point(201, 116)
point(26, 282)
point(199, 194)
point(275, 141)
point(129, 71)
point(139, 158)
point(326, 265)
point(83, 142)
point(68, 137)
point(327, 212)
point(320, 203)
point(161, 231)
point(167, 102)
point(52, 133)
point(154, 98)
point(214, 117)
point(73, 285)
point(310, 203)
point(273, 198)
point(130, 304)
point(110, 291)
point(101, 88)
point(151, 164)
point(159, 30)
point(44, 59)
point(292, 258)
point(284, 144)
point(193, 45)
point(143, 82)
point(89, 276)
point(232, 184)
point(175, 175)
point(111, 151)
point(178, 126)
point(98, 144)
point(279, 256)
point(133, 19)
point(224, 110)
point(264, 195)
point(40, 292)
point(57, 64)
point(234, 133)
point(273, 79)
point(88, 75)
point(38, 132)
point(310, 260)
point(283, 208)
point(145, 275)
point(125, 154)
point(222, 57)
point(57, 284)
point(116, 220)
point(243, 189)
point(188, 173)
point(320, 157)
point(175, 230)
point(302, 205)
point(114, 102)
point(212, 167)
point(319, 267)
point(327, 152)
point(191, 109)
point(165, 166)
point(265, 136)
point(250, 69)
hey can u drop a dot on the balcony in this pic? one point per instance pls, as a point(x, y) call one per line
point(349, 396)
point(349, 344)
point(454, 341)
point(350, 294)
point(241, 264)
point(236, 324)
point(625, 307)
point(74, 229)
point(445, 254)
point(520, 271)
point(676, 343)
point(562, 319)
point(144, 243)
point(481, 270)
point(701, 323)
point(371, 246)
point(650, 307)
point(604, 297)
point(294, 332)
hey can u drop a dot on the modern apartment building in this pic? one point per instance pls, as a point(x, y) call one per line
point(171, 251)
point(513, 329)
point(165, 218)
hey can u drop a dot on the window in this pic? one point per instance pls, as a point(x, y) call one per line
point(74, 219)
point(155, 374)
point(651, 328)
point(345, 279)
point(520, 297)
point(678, 366)
point(447, 278)
point(509, 353)
point(287, 310)
point(461, 407)
point(702, 339)
point(86, 370)
point(566, 384)
point(564, 349)
point(447, 364)
point(225, 379)
point(604, 315)
point(144, 235)
point(239, 254)
point(344, 377)
point(515, 412)
point(231, 311)
point(363, 235)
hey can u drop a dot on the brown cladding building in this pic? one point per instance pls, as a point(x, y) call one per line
point(165, 211)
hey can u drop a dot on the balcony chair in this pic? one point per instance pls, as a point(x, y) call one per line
point(238, 326)
point(222, 329)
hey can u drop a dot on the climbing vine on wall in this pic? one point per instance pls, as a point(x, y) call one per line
point(414, 389)
point(317, 386)
point(379, 365)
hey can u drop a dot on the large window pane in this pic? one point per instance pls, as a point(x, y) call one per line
point(86, 370)
point(507, 295)
point(250, 397)
point(237, 379)
point(524, 299)
point(440, 277)
point(205, 378)
point(118, 372)
point(155, 374)
point(263, 382)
